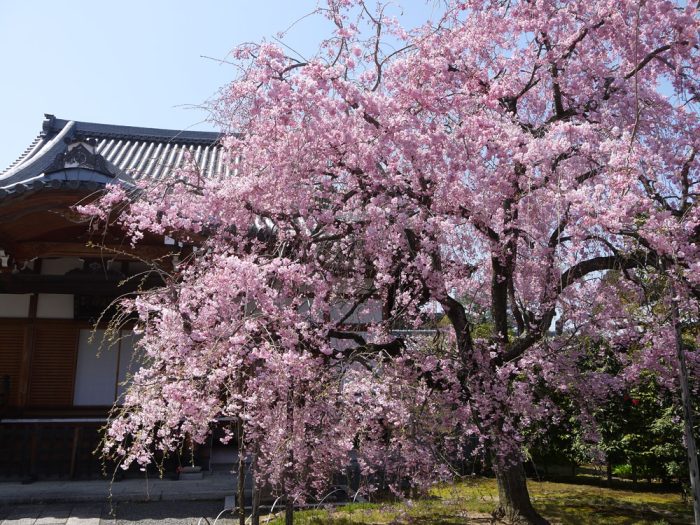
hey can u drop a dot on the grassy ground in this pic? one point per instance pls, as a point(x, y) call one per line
point(472, 501)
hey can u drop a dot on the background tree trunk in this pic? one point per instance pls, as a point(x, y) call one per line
point(289, 512)
point(241, 474)
point(289, 505)
point(255, 496)
point(693, 469)
point(514, 498)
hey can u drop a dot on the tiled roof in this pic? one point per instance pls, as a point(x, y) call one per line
point(124, 153)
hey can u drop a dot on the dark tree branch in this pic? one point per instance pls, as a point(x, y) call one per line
point(597, 264)
point(649, 58)
point(479, 224)
point(290, 68)
point(535, 333)
point(515, 308)
point(355, 305)
point(572, 47)
point(393, 348)
point(453, 309)
point(555, 237)
point(685, 181)
point(656, 196)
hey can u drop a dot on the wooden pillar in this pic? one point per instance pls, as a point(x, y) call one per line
point(74, 451)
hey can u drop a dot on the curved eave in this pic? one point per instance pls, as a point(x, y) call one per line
point(72, 179)
point(38, 162)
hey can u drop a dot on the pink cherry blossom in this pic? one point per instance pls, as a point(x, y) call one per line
point(512, 166)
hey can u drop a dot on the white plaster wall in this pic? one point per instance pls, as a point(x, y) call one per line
point(55, 306)
point(96, 371)
point(128, 362)
point(14, 305)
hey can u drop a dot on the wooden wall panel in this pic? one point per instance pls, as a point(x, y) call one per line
point(11, 347)
point(53, 365)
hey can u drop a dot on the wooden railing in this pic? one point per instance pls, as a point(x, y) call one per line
point(46, 448)
point(64, 448)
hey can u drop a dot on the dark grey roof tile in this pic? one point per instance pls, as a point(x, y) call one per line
point(132, 153)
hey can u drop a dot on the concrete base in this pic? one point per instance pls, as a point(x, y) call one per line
point(189, 476)
point(208, 487)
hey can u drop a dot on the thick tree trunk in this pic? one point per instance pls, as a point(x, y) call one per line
point(514, 498)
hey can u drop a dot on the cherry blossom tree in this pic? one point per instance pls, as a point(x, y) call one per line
point(514, 164)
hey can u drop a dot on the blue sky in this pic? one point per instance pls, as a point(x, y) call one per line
point(133, 62)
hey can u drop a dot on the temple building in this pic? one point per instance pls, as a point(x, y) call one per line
point(57, 380)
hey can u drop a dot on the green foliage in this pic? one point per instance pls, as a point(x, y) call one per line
point(641, 436)
point(649, 438)
point(622, 471)
point(482, 330)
